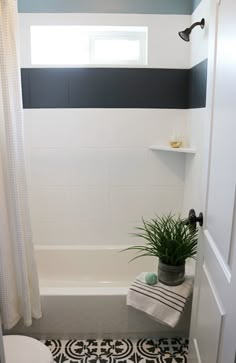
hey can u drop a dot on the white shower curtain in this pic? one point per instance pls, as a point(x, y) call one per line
point(19, 290)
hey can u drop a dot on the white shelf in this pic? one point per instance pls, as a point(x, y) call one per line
point(185, 150)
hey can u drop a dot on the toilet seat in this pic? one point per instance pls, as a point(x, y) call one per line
point(22, 349)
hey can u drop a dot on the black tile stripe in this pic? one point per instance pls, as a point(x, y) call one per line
point(114, 87)
point(159, 294)
point(197, 85)
point(155, 298)
point(104, 88)
point(169, 293)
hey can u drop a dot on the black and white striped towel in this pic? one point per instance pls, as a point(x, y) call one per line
point(161, 302)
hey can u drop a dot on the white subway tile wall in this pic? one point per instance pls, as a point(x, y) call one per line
point(165, 48)
point(91, 174)
point(197, 119)
point(95, 190)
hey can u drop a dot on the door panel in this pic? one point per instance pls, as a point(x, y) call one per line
point(216, 266)
point(209, 321)
point(221, 204)
point(214, 327)
point(222, 172)
point(222, 167)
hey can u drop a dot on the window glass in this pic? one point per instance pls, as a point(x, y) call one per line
point(88, 45)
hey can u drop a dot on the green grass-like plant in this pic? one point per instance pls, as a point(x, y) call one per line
point(168, 238)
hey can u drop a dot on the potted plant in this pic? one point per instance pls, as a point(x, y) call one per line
point(170, 239)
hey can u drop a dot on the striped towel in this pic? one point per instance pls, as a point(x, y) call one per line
point(161, 302)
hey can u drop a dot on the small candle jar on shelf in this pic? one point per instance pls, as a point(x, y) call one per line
point(176, 140)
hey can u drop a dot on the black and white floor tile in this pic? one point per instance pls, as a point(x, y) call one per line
point(119, 351)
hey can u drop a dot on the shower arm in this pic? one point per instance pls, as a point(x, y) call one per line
point(196, 24)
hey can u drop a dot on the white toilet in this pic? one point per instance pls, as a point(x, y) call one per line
point(22, 349)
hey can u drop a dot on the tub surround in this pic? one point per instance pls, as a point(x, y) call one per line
point(78, 159)
point(91, 174)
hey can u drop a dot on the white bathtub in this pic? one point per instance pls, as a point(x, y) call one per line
point(88, 270)
point(83, 292)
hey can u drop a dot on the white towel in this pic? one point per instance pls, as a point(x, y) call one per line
point(161, 302)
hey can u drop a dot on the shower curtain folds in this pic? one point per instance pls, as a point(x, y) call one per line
point(19, 289)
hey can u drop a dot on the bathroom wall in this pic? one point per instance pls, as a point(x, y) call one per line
point(197, 121)
point(108, 6)
point(91, 174)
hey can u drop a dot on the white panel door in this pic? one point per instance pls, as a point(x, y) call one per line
point(213, 326)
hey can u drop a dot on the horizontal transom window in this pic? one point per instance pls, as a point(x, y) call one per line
point(88, 45)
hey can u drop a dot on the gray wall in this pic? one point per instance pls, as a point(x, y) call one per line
point(108, 6)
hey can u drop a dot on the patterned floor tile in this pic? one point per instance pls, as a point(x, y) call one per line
point(163, 350)
point(119, 351)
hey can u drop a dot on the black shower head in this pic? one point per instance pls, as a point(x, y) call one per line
point(185, 34)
